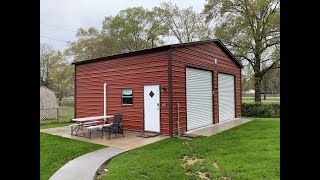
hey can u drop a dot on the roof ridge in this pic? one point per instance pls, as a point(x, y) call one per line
point(160, 48)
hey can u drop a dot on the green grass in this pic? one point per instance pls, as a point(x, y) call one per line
point(55, 151)
point(65, 116)
point(69, 102)
point(54, 124)
point(269, 100)
point(66, 113)
point(249, 151)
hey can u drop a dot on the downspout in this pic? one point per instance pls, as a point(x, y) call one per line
point(75, 92)
point(104, 101)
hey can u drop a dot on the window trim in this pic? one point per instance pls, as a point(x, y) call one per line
point(126, 96)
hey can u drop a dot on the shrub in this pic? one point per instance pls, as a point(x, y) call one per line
point(261, 110)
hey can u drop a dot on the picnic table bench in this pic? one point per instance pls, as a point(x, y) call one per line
point(91, 123)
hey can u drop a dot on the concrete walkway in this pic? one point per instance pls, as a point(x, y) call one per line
point(217, 128)
point(86, 166)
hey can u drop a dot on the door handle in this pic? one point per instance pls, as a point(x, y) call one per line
point(158, 105)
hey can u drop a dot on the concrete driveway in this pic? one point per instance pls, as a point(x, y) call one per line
point(217, 128)
point(128, 142)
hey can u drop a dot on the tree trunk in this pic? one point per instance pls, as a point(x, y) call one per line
point(152, 42)
point(264, 89)
point(60, 99)
point(257, 84)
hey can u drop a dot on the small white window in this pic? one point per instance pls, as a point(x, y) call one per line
point(126, 97)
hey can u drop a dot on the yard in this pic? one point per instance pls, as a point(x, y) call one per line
point(65, 116)
point(249, 151)
point(55, 151)
point(269, 100)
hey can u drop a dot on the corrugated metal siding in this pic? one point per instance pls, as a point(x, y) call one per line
point(226, 97)
point(125, 72)
point(201, 56)
point(199, 98)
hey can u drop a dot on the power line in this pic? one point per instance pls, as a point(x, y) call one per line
point(53, 38)
point(58, 27)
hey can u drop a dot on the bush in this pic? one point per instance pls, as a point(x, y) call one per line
point(261, 110)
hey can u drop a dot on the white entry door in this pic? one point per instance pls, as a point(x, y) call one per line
point(152, 108)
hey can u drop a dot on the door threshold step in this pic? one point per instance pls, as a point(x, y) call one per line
point(189, 135)
point(147, 134)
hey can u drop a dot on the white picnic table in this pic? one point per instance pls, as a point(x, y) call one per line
point(87, 121)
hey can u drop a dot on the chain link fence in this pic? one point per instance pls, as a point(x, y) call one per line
point(61, 114)
point(49, 114)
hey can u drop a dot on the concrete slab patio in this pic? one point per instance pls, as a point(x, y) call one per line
point(128, 142)
point(216, 128)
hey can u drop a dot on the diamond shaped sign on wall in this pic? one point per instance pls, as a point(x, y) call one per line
point(151, 94)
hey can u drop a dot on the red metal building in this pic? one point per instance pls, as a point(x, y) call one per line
point(203, 77)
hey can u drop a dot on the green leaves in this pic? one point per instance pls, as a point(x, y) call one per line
point(261, 110)
point(250, 29)
point(134, 29)
point(56, 72)
point(90, 44)
point(184, 24)
point(137, 28)
point(246, 26)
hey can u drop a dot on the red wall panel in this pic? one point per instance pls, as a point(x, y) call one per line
point(124, 72)
point(149, 69)
point(201, 56)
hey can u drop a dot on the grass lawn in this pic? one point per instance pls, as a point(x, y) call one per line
point(65, 116)
point(55, 151)
point(249, 151)
point(269, 100)
point(69, 101)
point(54, 124)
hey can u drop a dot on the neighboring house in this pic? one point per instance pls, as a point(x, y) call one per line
point(48, 104)
point(204, 77)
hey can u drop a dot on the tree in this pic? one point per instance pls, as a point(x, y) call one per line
point(134, 29)
point(246, 79)
point(56, 72)
point(48, 61)
point(271, 79)
point(184, 24)
point(251, 29)
point(90, 44)
point(271, 82)
point(62, 77)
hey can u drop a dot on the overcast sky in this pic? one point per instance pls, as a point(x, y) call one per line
point(60, 19)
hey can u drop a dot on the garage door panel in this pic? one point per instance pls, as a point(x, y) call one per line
point(226, 91)
point(199, 98)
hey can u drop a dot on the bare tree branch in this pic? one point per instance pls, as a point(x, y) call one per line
point(250, 61)
point(273, 65)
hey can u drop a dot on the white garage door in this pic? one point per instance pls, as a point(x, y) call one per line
point(226, 97)
point(199, 98)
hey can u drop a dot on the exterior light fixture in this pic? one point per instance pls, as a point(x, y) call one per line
point(163, 90)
